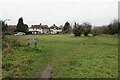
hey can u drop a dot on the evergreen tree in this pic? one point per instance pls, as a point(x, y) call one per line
point(21, 27)
point(67, 28)
point(25, 28)
point(4, 27)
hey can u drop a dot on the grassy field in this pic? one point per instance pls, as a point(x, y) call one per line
point(98, 58)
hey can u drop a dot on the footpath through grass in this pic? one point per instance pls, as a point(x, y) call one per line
point(69, 58)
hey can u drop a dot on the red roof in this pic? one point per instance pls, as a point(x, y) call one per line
point(12, 26)
point(39, 26)
point(52, 27)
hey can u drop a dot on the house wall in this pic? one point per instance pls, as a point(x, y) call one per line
point(55, 30)
point(44, 31)
point(35, 29)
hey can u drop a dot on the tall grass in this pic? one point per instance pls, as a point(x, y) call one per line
point(10, 43)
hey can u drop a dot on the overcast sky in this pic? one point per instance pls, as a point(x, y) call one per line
point(49, 12)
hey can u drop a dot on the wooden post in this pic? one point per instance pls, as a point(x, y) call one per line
point(35, 45)
point(28, 45)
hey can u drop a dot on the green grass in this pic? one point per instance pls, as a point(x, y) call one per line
point(70, 59)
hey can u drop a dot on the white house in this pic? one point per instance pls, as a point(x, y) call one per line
point(54, 29)
point(43, 29)
point(39, 29)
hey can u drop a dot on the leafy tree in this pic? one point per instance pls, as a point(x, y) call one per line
point(86, 28)
point(105, 30)
point(113, 27)
point(77, 29)
point(96, 31)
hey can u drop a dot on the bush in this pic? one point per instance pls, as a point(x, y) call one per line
point(18, 43)
point(85, 29)
point(9, 74)
point(111, 29)
point(77, 31)
point(9, 44)
point(6, 47)
point(96, 31)
point(7, 65)
point(105, 30)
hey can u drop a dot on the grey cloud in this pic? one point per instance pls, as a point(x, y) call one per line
point(97, 12)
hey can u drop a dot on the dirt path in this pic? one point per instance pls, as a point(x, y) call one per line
point(46, 71)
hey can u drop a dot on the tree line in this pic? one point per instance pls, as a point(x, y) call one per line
point(21, 27)
point(86, 28)
point(77, 29)
point(110, 29)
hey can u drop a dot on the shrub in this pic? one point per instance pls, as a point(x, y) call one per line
point(7, 65)
point(105, 30)
point(18, 43)
point(9, 44)
point(6, 47)
point(85, 29)
point(77, 31)
point(96, 31)
point(111, 29)
point(9, 74)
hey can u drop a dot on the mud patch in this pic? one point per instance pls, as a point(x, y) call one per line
point(97, 44)
point(46, 72)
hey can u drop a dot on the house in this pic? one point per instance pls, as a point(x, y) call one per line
point(39, 29)
point(54, 29)
point(11, 29)
point(44, 29)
